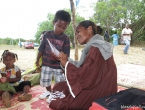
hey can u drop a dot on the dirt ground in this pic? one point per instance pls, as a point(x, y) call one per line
point(26, 57)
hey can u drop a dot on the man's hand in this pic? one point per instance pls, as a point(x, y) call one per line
point(37, 63)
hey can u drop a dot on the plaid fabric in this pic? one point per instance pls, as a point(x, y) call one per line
point(47, 73)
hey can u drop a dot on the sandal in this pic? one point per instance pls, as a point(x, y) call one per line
point(25, 97)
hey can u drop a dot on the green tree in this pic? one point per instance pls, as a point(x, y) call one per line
point(47, 25)
point(114, 14)
point(44, 26)
point(109, 13)
point(136, 16)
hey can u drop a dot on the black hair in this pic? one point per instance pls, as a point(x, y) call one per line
point(43, 32)
point(8, 53)
point(62, 15)
point(96, 29)
point(99, 30)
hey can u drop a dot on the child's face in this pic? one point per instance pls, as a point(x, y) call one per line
point(9, 61)
point(60, 26)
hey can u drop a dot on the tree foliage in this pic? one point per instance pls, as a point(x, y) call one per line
point(44, 26)
point(115, 13)
point(47, 25)
point(10, 41)
point(110, 14)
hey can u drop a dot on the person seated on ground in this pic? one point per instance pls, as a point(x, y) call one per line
point(33, 77)
point(31, 74)
point(92, 77)
point(11, 74)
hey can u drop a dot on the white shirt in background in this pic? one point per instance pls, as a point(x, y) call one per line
point(126, 33)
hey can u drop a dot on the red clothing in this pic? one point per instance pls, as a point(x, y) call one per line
point(94, 79)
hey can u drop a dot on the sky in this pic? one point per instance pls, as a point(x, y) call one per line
point(20, 18)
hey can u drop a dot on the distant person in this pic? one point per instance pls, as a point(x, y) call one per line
point(115, 37)
point(60, 41)
point(20, 44)
point(99, 30)
point(93, 77)
point(106, 36)
point(126, 34)
point(12, 75)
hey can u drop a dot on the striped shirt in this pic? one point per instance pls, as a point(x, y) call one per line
point(60, 42)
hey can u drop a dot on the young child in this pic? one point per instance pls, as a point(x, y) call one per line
point(50, 63)
point(115, 37)
point(12, 74)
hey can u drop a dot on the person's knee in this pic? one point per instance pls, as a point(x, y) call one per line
point(26, 88)
point(57, 105)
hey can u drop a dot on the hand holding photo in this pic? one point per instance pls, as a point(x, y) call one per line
point(54, 50)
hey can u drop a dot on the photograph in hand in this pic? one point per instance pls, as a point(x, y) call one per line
point(54, 50)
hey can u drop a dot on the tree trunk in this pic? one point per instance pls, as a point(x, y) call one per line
point(74, 28)
point(73, 44)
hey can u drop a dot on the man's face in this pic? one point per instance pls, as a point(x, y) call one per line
point(127, 26)
point(60, 26)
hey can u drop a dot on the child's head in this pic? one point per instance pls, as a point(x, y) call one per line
point(61, 21)
point(9, 58)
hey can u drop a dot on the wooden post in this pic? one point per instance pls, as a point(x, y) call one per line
point(74, 28)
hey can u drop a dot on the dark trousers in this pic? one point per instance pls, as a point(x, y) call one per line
point(21, 86)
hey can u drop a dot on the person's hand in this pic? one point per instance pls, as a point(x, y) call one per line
point(63, 58)
point(37, 63)
point(4, 79)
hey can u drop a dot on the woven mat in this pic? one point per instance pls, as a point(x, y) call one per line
point(131, 75)
point(34, 104)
